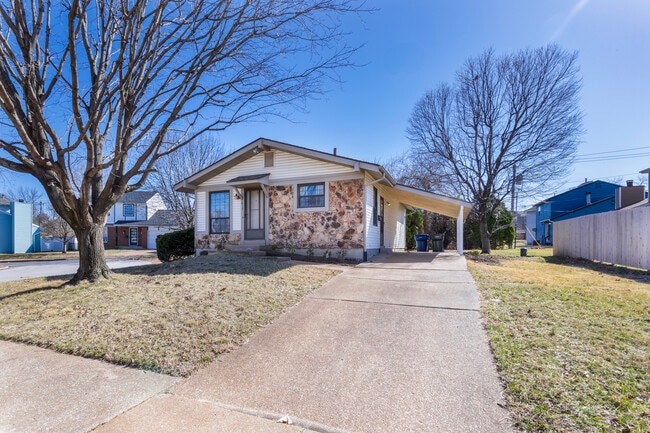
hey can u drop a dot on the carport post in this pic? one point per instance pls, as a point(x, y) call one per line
point(459, 231)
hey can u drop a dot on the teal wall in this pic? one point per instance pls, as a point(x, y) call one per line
point(6, 236)
point(17, 233)
point(22, 215)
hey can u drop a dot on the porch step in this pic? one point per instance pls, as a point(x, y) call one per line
point(251, 251)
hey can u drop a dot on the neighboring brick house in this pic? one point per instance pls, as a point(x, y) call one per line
point(279, 195)
point(137, 219)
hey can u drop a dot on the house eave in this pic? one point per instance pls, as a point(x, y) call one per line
point(190, 184)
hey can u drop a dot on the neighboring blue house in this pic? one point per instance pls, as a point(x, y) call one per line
point(17, 233)
point(585, 199)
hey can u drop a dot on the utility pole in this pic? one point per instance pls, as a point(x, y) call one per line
point(512, 194)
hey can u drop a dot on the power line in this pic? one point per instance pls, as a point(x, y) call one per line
point(611, 158)
point(614, 151)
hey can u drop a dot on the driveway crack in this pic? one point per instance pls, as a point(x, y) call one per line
point(396, 304)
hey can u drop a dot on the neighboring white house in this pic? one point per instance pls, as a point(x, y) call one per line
point(137, 219)
point(275, 194)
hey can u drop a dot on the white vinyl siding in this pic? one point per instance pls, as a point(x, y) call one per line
point(235, 213)
point(394, 218)
point(201, 211)
point(394, 224)
point(372, 231)
point(286, 166)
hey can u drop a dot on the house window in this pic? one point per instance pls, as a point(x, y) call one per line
point(375, 214)
point(311, 195)
point(220, 212)
point(129, 210)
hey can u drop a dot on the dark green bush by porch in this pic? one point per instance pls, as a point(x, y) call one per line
point(414, 224)
point(175, 245)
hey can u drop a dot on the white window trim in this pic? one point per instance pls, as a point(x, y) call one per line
point(230, 204)
point(311, 209)
point(133, 214)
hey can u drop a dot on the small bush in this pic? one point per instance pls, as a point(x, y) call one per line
point(175, 245)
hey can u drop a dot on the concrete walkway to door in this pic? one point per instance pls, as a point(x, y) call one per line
point(393, 345)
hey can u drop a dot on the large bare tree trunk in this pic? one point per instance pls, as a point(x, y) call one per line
point(92, 261)
point(485, 234)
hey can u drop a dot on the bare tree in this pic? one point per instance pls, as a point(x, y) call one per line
point(57, 227)
point(35, 197)
point(173, 168)
point(99, 84)
point(25, 194)
point(410, 171)
point(505, 117)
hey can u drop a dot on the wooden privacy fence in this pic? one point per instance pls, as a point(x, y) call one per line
point(621, 237)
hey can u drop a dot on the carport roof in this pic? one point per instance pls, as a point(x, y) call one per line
point(430, 201)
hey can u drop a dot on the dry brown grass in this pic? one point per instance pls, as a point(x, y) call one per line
point(170, 318)
point(572, 341)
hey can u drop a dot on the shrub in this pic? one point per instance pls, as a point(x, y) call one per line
point(500, 225)
point(414, 224)
point(175, 245)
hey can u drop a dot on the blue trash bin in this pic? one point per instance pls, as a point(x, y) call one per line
point(421, 242)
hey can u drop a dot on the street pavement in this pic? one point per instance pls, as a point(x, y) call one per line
point(11, 271)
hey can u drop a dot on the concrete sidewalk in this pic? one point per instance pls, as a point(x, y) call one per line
point(392, 345)
point(46, 391)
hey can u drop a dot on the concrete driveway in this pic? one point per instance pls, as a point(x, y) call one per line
point(394, 345)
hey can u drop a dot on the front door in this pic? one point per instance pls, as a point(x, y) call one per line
point(133, 236)
point(381, 221)
point(254, 214)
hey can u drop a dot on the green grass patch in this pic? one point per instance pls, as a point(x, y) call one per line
point(170, 318)
point(571, 340)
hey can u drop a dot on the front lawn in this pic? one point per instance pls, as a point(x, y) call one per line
point(170, 317)
point(571, 339)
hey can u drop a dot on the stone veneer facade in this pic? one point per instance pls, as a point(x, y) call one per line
point(341, 226)
point(214, 242)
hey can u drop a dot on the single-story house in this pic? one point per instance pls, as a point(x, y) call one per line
point(137, 219)
point(276, 195)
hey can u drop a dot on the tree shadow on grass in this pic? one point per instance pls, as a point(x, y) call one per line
point(216, 263)
point(35, 290)
point(637, 275)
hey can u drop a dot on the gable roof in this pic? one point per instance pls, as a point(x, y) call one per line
point(408, 195)
point(582, 185)
point(137, 197)
point(161, 218)
point(189, 184)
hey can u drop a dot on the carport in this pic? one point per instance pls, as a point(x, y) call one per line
point(432, 202)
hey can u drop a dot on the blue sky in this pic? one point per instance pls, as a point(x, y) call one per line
point(413, 45)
